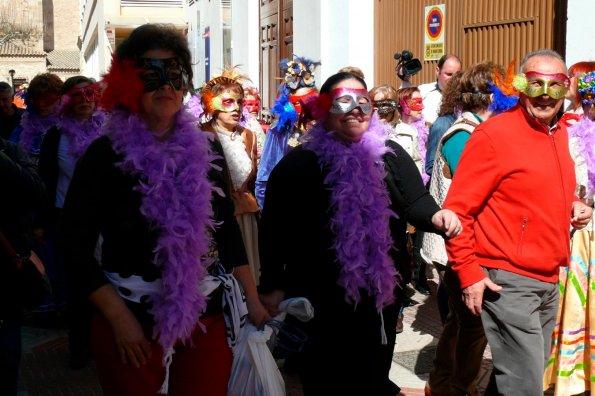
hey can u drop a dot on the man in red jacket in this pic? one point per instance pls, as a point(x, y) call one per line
point(514, 194)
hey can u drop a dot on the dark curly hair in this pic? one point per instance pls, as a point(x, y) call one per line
point(43, 84)
point(337, 78)
point(156, 36)
point(451, 97)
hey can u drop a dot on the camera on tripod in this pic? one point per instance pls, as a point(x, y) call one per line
point(407, 65)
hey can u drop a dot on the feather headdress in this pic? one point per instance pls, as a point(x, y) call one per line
point(298, 72)
point(229, 76)
point(586, 88)
point(505, 94)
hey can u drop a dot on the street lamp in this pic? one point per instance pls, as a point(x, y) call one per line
point(11, 72)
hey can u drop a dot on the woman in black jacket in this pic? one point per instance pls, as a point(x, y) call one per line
point(151, 188)
point(22, 191)
point(333, 231)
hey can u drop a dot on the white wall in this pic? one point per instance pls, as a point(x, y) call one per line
point(337, 32)
point(245, 22)
point(580, 45)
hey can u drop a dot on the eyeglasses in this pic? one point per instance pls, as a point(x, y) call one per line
point(159, 72)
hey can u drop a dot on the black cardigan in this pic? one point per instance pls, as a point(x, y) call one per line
point(101, 200)
point(295, 241)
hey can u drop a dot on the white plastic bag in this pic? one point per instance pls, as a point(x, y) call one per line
point(254, 371)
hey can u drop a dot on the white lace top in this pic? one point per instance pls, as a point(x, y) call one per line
point(238, 161)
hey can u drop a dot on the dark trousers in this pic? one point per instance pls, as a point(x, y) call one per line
point(10, 357)
point(460, 349)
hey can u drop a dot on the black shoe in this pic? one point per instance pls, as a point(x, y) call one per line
point(423, 289)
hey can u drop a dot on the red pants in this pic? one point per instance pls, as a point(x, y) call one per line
point(201, 369)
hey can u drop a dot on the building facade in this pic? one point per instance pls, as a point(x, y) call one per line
point(38, 36)
point(106, 23)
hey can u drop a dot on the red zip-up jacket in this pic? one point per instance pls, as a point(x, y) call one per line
point(513, 191)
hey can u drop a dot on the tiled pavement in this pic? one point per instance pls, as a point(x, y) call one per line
point(44, 371)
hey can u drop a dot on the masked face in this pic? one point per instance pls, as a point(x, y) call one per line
point(298, 101)
point(159, 72)
point(415, 103)
point(227, 102)
point(535, 96)
point(385, 108)
point(87, 93)
point(81, 100)
point(252, 104)
point(351, 125)
point(553, 85)
point(344, 100)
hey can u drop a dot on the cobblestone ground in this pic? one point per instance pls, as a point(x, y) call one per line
point(44, 369)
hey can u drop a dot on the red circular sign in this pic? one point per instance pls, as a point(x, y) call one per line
point(434, 23)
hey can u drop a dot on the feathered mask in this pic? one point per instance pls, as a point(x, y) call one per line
point(229, 77)
point(298, 72)
point(586, 88)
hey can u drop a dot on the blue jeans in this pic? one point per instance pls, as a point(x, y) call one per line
point(10, 357)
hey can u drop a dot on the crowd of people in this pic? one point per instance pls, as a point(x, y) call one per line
point(166, 216)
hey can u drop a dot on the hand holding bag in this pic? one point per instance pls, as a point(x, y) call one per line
point(254, 371)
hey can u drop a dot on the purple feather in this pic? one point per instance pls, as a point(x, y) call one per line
point(177, 203)
point(422, 139)
point(194, 105)
point(81, 134)
point(34, 129)
point(361, 210)
point(584, 131)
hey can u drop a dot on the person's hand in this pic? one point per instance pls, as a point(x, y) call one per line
point(130, 339)
point(473, 295)
point(271, 301)
point(257, 314)
point(447, 221)
point(581, 215)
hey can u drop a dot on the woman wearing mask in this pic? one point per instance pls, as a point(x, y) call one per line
point(78, 125)
point(349, 182)
point(153, 189)
point(223, 100)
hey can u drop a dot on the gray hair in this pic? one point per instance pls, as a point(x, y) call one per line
point(544, 52)
point(6, 87)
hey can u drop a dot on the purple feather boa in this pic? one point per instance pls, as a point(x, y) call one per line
point(361, 207)
point(81, 134)
point(422, 139)
point(585, 132)
point(176, 201)
point(195, 107)
point(34, 129)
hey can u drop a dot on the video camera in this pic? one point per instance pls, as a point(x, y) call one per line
point(407, 65)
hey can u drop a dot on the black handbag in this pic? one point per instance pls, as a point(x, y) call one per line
point(36, 286)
